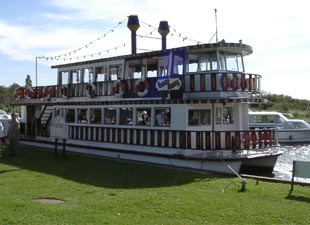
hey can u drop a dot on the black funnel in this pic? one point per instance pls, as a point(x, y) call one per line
point(163, 29)
point(133, 25)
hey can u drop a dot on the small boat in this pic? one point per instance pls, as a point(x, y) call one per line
point(289, 130)
point(182, 107)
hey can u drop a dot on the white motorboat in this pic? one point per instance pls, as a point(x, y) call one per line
point(289, 130)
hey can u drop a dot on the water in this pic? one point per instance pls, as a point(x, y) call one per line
point(284, 166)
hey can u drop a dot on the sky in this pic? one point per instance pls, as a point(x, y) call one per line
point(61, 31)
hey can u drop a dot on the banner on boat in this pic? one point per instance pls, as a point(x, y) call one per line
point(168, 84)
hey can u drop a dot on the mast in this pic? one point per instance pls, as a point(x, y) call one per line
point(216, 33)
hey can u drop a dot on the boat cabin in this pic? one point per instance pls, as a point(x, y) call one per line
point(267, 120)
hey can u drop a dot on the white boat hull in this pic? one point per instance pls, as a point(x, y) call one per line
point(202, 162)
point(294, 136)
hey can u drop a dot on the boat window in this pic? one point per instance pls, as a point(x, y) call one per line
point(110, 115)
point(152, 73)
point(134, 69)
point(70, 115)
point(278, 119)
point(126, 116)
point(228, 115)
point(265, 119)
point(197, 63)
point(116, 72)
point(75, 76)
point(101, 73)
point(64, 77)
point(90, 75)
point(163, 71)
point(151, 67)
point(143, 117)
point(218, 115)
point(222, 62)
point(163, 66)
point(295, 125)
point(59, 112)
point(86, 75)
point(178, 65)
point(95, 115)
point(212, 63)
point(225, 115)
point(199, 117)
point(162, 117)
point(192, 64)
point(234, 63)
point(137, 72)
point(82, 116)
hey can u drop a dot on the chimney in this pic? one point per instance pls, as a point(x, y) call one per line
point(133, 25)
point(163, 29)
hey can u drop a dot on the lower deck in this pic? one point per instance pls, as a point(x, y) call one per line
point(204, 126)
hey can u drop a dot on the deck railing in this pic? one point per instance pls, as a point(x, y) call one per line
point(196, 82)
point(202, 140)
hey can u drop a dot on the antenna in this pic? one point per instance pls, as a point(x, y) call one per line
point(215, 10)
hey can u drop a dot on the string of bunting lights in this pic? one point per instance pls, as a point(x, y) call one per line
point(150, 34)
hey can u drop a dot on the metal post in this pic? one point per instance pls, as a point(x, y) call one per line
point(37, 69)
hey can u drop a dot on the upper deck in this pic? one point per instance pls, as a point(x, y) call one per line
point(199, 72)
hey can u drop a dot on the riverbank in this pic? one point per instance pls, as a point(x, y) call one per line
point(91, 190)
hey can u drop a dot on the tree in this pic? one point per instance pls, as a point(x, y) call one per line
point(28, 81)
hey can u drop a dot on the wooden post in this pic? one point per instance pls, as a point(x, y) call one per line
point(55, 149)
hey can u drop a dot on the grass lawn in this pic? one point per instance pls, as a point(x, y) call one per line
point(101, 191)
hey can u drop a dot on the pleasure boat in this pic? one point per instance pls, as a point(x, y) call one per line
point(182, 107)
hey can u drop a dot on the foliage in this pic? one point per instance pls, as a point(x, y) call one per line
point(28, 81)
point(7, 97)
point(100, 191)
point(299, 108)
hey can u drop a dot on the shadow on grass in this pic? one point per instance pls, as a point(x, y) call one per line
point(12, 170)
point(99, 171)
point(298, 198)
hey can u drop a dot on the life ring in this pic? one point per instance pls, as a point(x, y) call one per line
point(142, 87)
point(64, 91)
point(19, 93)
point(118, 88)
point(46, 93)
point(90, 90)
point(28, 93)
point(224, 81)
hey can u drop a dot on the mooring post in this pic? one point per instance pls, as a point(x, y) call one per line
point(55, 152)
point(63, 147)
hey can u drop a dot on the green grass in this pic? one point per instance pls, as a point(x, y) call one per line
point(100, 191)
